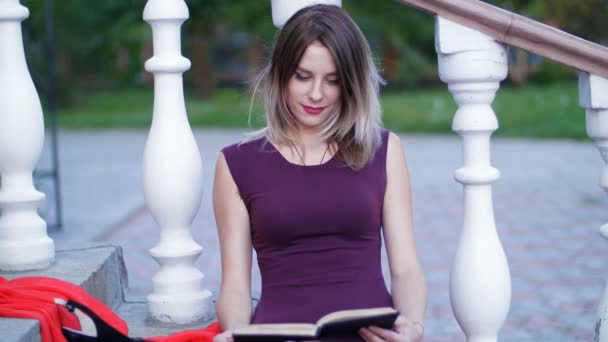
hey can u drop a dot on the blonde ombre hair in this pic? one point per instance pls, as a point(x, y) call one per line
point(355, 128)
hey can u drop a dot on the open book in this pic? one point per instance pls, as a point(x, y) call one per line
point(339, 323)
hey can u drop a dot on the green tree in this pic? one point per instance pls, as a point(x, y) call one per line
point(403, 38)
point(207, 19)
point(586, 19)
point(94, 42)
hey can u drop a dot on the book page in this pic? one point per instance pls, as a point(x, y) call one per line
point(277, 329)
point(346, 315)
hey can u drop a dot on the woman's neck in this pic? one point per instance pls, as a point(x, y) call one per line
point(309, 141)
point(308, 148)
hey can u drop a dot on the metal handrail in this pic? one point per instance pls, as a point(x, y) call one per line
point(521, 32)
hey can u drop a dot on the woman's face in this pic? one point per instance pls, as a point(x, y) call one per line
point(313, 91)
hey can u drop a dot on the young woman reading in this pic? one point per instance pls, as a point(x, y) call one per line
point(315, 189)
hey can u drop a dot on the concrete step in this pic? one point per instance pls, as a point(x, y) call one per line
point(99, 270)
point(135, 313)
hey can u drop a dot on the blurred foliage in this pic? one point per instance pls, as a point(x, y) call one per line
point(95, 43)
point(103, 44)
point(401, 33)
point(586, 19)
point(245, 15)
point(550, 72)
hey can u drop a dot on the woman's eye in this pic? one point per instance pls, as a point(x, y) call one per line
point(333, 81)
point(300, 76)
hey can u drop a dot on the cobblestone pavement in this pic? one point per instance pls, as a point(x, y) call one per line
point(548, 209)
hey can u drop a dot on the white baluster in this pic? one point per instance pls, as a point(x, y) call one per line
point(593, 92)
point(282, 10)
point(472, 65)
point(173, 175)
point(24, 243)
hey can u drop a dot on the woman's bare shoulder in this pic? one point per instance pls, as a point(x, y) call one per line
point(395, 145)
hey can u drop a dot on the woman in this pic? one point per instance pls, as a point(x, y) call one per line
point(313, 191)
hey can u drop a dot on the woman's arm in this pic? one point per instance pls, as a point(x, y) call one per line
point(408, 285)
point(234, 301)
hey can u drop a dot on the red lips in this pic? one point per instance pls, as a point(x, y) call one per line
point(313, 110)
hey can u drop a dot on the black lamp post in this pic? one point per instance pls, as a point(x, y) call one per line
point(49, 85)
point(51, 106)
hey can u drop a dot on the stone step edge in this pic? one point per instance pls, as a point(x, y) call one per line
point(98, 269)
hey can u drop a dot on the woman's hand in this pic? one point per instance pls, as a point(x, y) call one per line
point(404, 330)
point(226, 336)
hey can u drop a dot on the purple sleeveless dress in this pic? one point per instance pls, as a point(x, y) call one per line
point(316, 230)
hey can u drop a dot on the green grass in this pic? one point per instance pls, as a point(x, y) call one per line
point(132, 108)
point(550, 111)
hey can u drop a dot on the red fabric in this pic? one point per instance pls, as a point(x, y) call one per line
point(51, 288)
point(34, 298)
point(19, 301)
point(68, 319)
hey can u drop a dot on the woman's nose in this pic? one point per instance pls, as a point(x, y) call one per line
point(316, 93)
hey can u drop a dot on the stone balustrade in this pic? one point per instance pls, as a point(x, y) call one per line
point(173, 173)
point(282, 10)
point(473, 64)
point(593, 96)
point(24, 243)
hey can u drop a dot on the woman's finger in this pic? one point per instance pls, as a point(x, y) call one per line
point(226, 336)
point(369, 336)
point(400, 322)
point(386, 335)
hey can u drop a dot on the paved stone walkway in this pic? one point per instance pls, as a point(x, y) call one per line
point(547, 203)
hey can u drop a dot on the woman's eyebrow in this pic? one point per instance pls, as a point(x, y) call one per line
point(300, 69)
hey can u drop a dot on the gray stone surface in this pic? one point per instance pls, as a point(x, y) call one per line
point(100, 179)
point(140, 325)
point(99, 270)
point(548, 210)
point(19, 330)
